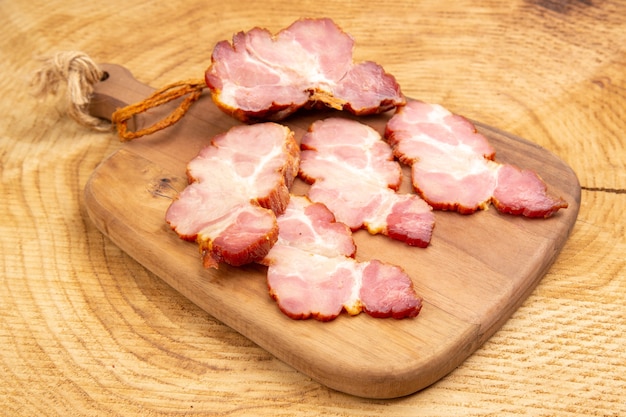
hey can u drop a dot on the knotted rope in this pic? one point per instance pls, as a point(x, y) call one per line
point(80, 73)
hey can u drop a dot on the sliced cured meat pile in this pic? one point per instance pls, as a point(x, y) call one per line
point(260, 76)
point(453, 167)
point(311, 272)
point(352, 172)
point(238, 184)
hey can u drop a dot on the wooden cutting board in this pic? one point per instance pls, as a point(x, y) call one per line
point(477, 270)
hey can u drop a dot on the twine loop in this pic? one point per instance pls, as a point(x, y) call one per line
point(191, 88)
point(80, 73)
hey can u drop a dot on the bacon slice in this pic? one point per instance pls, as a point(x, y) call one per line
point(264, 77)
point(452, 165)
point(237, 186)
point(311, 272)
point(353, 173)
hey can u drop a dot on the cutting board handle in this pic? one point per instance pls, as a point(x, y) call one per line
point(118, 89)
point(171, 103)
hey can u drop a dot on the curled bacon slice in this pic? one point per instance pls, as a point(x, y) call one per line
point(353, 173)
point(264, 77)
point(237, 186)
point(311, 272)
point(453, 167)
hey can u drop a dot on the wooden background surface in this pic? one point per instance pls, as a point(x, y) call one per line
point(85, 330)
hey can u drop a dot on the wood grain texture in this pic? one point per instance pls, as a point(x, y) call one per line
point(86, 330)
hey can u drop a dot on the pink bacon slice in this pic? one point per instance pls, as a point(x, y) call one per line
point(353, 173)
point(453, 167)
point(265, 77)
point(312, 272)
point(238, 185)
